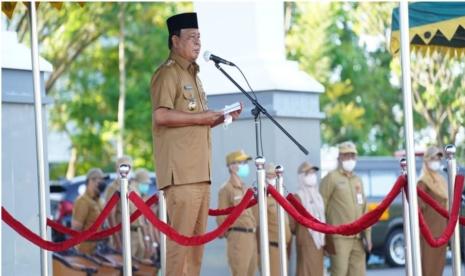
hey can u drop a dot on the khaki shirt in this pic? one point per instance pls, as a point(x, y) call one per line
point(182, 154)
point(344, 199)
point(231, 194)
point(273, 232)
point(115, 187)
point(85, 211)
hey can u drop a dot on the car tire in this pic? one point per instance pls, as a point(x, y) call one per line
point(394, 248)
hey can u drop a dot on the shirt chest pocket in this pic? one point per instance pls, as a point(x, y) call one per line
point(342, 187)
point(237, 197)
point(342, 191)
point(189, 101)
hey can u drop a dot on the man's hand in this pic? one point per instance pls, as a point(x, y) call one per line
point(236, 113)
point(209, 117)
point(175, 118)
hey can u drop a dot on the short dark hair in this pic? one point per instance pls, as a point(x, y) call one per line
point(170, 42)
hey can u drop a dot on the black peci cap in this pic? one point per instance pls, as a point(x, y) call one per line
point(180, 21)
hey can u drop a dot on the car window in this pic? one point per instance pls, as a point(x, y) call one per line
point(381, 182)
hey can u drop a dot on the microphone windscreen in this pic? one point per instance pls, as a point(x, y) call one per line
point(206, 56)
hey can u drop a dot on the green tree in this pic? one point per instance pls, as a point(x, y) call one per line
point(82, 44)
point(438, 87)
point(330, 40)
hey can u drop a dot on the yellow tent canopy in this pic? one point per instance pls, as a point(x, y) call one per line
point(434, 26)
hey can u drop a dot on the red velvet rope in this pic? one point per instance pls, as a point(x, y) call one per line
point(194, 240)
point(293, 207)
point(306, 219)
point(59, 246)
point(449, 230)
point(104, 233)
point(435, 205)
point(227, 211)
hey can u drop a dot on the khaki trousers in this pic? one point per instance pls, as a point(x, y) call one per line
point(137, 244)
point(242, 253)
point(349, 259)
point(275, 262)
point(187, 207)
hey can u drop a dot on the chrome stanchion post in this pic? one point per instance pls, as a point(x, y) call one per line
point(409, 141)
point(455, 241)
point(124, 170)
point(281, 222)
point(262, 209)
point(162, 213)
point(44, 255)
point(408, 241)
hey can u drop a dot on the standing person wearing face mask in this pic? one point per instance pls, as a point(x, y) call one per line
point(432, 182)
point(309, 243)
point(344, 202)
point(141, 242)
point(273, 232)
point(241, 236)
point(115, 215)
point(87, 208)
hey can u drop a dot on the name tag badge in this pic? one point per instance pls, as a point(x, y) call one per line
point(238, 197)
point(359, 198)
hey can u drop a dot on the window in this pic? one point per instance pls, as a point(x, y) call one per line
point(381, 182)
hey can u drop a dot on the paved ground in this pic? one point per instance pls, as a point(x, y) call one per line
point(401, 271)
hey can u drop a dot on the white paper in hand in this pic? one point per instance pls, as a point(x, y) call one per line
point(227, 110)
point(231, 108)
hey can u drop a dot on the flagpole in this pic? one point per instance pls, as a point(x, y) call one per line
point(39, 134)
point(409, 141)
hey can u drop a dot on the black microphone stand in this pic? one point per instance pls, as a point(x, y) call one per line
point(256, 112)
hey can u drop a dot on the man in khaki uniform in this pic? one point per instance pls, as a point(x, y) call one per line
point(142, 184)
point(241, 237)
point(138, 244)
point(182, 141)
point(273, 231)
point(87, 208)
point(344, 201)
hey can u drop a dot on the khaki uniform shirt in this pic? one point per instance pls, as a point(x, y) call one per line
point(114, 187)
point(182, 154)
point(231, 194)
point(85, 211)
point(272, 214)
point(344, 199)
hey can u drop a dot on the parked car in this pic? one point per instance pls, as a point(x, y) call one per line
point(63, 195)
point(379, 175)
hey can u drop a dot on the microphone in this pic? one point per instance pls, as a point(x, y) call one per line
point(216, 59)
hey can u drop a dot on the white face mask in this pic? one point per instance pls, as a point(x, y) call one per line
point(349, 165)
point(434, 165)
point(310, 179)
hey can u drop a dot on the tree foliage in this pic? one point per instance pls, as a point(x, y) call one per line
point(438, 87)
point(334, 43)
point(82, 45)
point(343, 45)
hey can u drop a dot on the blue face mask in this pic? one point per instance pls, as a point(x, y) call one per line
point(243, 171)
point(143, 188)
